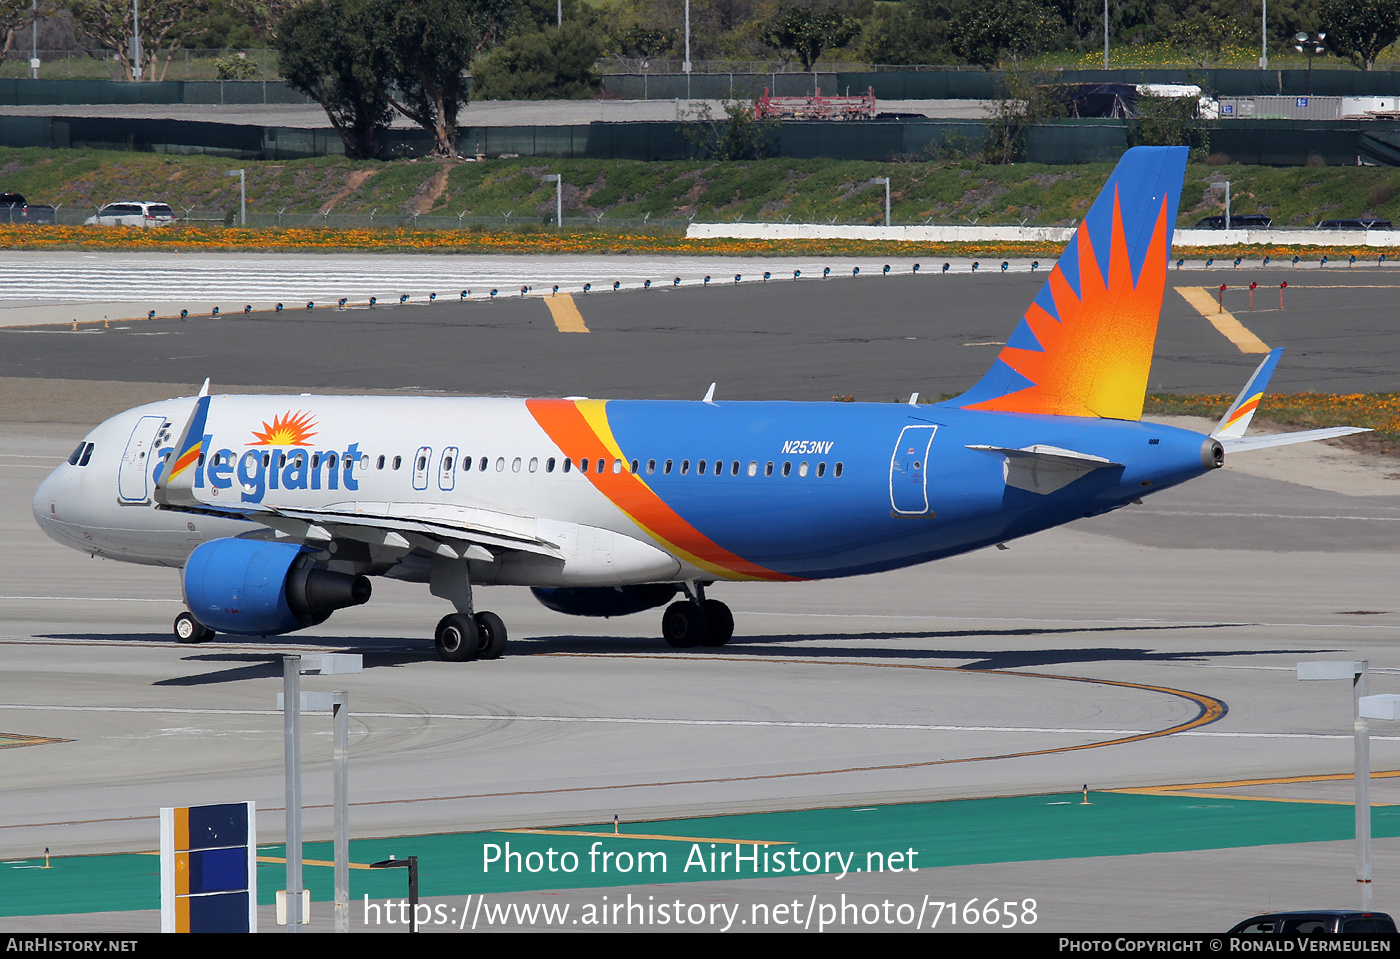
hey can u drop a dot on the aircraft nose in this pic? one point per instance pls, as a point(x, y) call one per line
point(53, 499)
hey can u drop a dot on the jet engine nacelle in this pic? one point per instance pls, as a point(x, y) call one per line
point(604, 600)
point(260, 588)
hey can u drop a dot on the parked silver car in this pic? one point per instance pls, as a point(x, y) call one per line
point(132, 213)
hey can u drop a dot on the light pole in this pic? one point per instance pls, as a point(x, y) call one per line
point(242, 195)
point(558, 182)
point(1312, 46)
point(1356, 671)
point(136, 40)
point(686, 65)
point(1264, 37)
point(1105, 34)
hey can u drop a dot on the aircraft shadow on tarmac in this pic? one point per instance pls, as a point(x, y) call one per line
point(397, 652)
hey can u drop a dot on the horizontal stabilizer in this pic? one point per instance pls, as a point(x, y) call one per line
point(1240, 444)
point(1044, 469)
point(1236, 419)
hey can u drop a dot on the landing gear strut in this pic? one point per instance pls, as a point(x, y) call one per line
point(697, 621)
point(190, 630)
point(461, 638)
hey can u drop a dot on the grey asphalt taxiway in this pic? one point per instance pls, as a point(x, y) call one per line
point(899, 687)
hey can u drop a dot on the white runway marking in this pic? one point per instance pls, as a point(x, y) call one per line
point(659, 721)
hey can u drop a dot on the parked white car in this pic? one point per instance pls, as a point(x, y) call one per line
point(133, 213)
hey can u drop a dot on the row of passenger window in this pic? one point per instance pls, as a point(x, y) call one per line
point(666, 467)
point(584, 465)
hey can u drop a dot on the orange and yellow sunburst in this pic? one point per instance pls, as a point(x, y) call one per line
point(1095, 358)
point(290, 429)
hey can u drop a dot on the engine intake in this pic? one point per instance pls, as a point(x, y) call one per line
point(257, 588)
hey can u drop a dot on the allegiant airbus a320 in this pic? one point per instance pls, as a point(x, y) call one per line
point(279, 508)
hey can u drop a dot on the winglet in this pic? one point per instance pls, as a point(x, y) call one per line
point(1236, 419)
point(710, 395)
point(176, 485)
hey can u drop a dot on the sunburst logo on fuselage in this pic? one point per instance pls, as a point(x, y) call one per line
point(289, 429)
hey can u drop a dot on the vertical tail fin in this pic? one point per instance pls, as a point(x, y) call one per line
point(1084, 347)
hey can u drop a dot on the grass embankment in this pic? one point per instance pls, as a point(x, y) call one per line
point(812, 191)
point(1379, 411)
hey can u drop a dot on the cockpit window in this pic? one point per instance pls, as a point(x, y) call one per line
point(77, 453)
point(87, 455)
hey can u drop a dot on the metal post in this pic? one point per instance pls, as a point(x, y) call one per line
point(1105, 34)
point(34, 40)
point(687, 49)
point(243, 198)
point(558, 180)
point(1362, 774)
point(340, 724)
point(886, 181)
point(291, 738)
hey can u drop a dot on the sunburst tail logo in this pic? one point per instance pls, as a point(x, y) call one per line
point(288, 429)
point(1084, 348)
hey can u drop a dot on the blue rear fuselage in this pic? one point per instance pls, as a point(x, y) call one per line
point(815, 490)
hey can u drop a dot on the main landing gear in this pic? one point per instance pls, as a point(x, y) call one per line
point(461, 638)
point(190, 630)
point(697, 621)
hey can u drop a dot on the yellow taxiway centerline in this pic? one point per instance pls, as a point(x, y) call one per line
point(1230, 328)
point(567, 318)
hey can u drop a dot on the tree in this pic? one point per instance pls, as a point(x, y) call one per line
point(430, 44)
point(807, 32)
point(14, 15)
point(739, 135)
point(1359, 29)
point(552, 64)
point(333, 51)
point(915, 31)
point(263, 15)
point(163, 27)
point(985, 31)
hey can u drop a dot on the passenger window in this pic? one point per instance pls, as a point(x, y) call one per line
point(617, 466)
point(466, 464)
point(651, 467)
point(447, 463)
point(601, 464)
point(534, 463)
point(802, 469)
point(549, 465)
point(700, 468)
point(838, 471)
point(787, 469)
point(500, 464)
point(768, 470)
point(753, 467)
point(481, 464)
point(821, 470)
point(316, 461)
point(330, 461)
point(666, 468)
point(635, 464)
point(378, 464)
point(583, 465)
point(266, 460)
point(568, 464)
point(398, 461)
point(685, 467)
